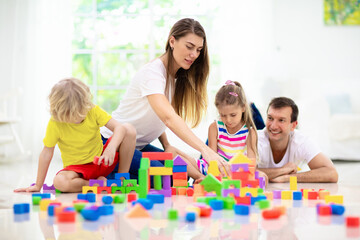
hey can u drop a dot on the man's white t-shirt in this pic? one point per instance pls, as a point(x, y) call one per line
point(135, 108)
point(301, 150)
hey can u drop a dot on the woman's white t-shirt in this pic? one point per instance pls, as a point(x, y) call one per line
point(135, 108)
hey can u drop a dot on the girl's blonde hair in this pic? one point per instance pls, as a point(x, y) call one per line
point(189, 93)
point(232, 93)
point(70, 100)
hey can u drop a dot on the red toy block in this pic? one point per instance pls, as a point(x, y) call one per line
point(65, 216)
point(243, 200)
point(157, 155)
point(324, 210)
point(180, 175)
point(312, 195)
point(190, 192)
point(205, 211)
point(352, 221)
point(173, 191)
point(253, 183)
point(132, 197)
point(271, 214)
point(240, 175)
point(101, 189)
point(219, 178)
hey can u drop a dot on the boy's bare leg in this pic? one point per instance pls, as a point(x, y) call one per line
point(127, 148)
point(69, 181)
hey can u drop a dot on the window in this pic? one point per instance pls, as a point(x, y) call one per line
point(112, 39)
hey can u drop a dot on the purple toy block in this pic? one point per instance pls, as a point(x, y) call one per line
point(262, 182)
point(46, 187)
point(276, 194)
point(243, 166)
point(235, 191)
point(166, 182)
point(178, 161)
point(92, 182)
point(166, 193)
point(256, 175)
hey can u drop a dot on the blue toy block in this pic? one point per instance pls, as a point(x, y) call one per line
point(258, 198)
point(90, 214)
point(297, 195)
point(91, 197)
point(81, 196)
point(216, 204)
point(69, 209)
point(51, 210)
point(180, 169)
point(146, 203)
point(109, 182)
point(42, 195)
point(190, 217)
point(337, 209)
point(106, 210)
point(20, 208)
point(241, 209)
point(120, 175)
point(156, 198)
point(107, 199)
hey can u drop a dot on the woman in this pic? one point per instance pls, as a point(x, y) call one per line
point(167, 92)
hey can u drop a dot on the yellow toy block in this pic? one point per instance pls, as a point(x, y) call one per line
point(305, 193)
point(86, 189)
point(286, 195)
point(193, 209)
point(323, 194)
point(240, 158)
point(293, 183)
point(160, 171)
point(213, 168)
point(44, 203)
point(252, 191)
point(338, 199)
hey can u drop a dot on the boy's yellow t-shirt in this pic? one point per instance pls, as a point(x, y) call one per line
point(78, 142)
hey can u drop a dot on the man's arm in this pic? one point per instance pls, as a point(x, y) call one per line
point(273, 173)
point(322, 170)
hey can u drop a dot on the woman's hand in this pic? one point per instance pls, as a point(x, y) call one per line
point(33, 188)
point(224, 167)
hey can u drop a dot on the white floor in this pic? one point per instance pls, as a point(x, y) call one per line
point(300, 222)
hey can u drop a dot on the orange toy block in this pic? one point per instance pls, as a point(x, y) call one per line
point(182, 191)
point(157, 155)
point(180, 175)
point(269, 195)
point(180, 183)
point(199, 190)
point(322, 194)
point(138, 211)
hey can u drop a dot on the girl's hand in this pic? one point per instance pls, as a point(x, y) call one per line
point(224, 166)
point(33, 188)
point(107, 158)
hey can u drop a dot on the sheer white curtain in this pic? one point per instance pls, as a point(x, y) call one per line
point(35, 49)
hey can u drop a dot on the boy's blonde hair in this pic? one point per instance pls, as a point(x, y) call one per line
point(70, 100)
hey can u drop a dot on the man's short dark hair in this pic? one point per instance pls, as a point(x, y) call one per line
point(281, 102)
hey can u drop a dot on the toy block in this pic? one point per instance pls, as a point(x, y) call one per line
point(138, 211)
point(297, 195)
point(44, 203)
point(338, 199)
point(189, 192)
point(324, 210)
point(240, 209)
point(169, 163)
point(271, 214)
point(130, 189)
point(190, 217)
point(107, 199)
point(143, 183)
point(79, 206)
point(51, 209)
point(245, 190)
point(130, 183)
point(90, 213)
point(113, 182)
point(66, 216)
point(205, 211)
point(48, 188)
point(229, 203)
point(240, 175)
point(305, 192)
point(216, 204)
point(226, 184)
point(106, 210)
point(106, 189)
point(253, 183)
point(160, 171)
point(312, 195)
point(157, 155)
point(231, 191)
point(132, 197)
point(172, 214)
point(293, 183)
point(156, 198)
point(166, 182)
point(96, 182)
point(114, 189)
point(42, 195)
point(36, 200)
point(86, 189)
point(91, 197)
point(194, 209)
point(198, 190)
point(322, 194)
point(210, 183)
point(240, 158)
point(263, 204)
point(276, 194)
point(337, 209)
point(144, 163)
point(180, 183)
point(262, 182)
point(20, 208)
point(118, 176)
point(218, 178)
point(180, 175)
point(240, 167)
point(178, 161)
point(173, 191)
point(182, 191)
point(179, 169)
point(269, 195)
point(120, 198)
point(352, 221)
point(166, 193)
point(213, 168)
point(286, 195)
point(146, 203)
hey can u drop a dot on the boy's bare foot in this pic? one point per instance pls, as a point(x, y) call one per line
point(102, 178)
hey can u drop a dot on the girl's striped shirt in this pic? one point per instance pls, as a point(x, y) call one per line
point(229, 144)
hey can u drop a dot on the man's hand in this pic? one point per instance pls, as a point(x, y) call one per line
point(290, 168)
point(281, 179)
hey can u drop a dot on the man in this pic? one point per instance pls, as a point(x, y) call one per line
point(282, 148)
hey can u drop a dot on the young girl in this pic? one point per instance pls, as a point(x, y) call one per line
point(235, 130)
point(75, 126)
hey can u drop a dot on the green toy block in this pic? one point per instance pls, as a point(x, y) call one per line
point(263, 204)
point(116, 188)
point(79, 206)
point(169, 163)
point(144, 163)
point(157, 182)
point(227, 183)
point(143, 183)
point(201, 199)
point(130, 182)
point(57, 191)
point(211, 183)
point(208, 199)
point(36, 200)
point(120, 198)
point(172, 214)
point(229, 203)
point(129, 189)
point(260, 190)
